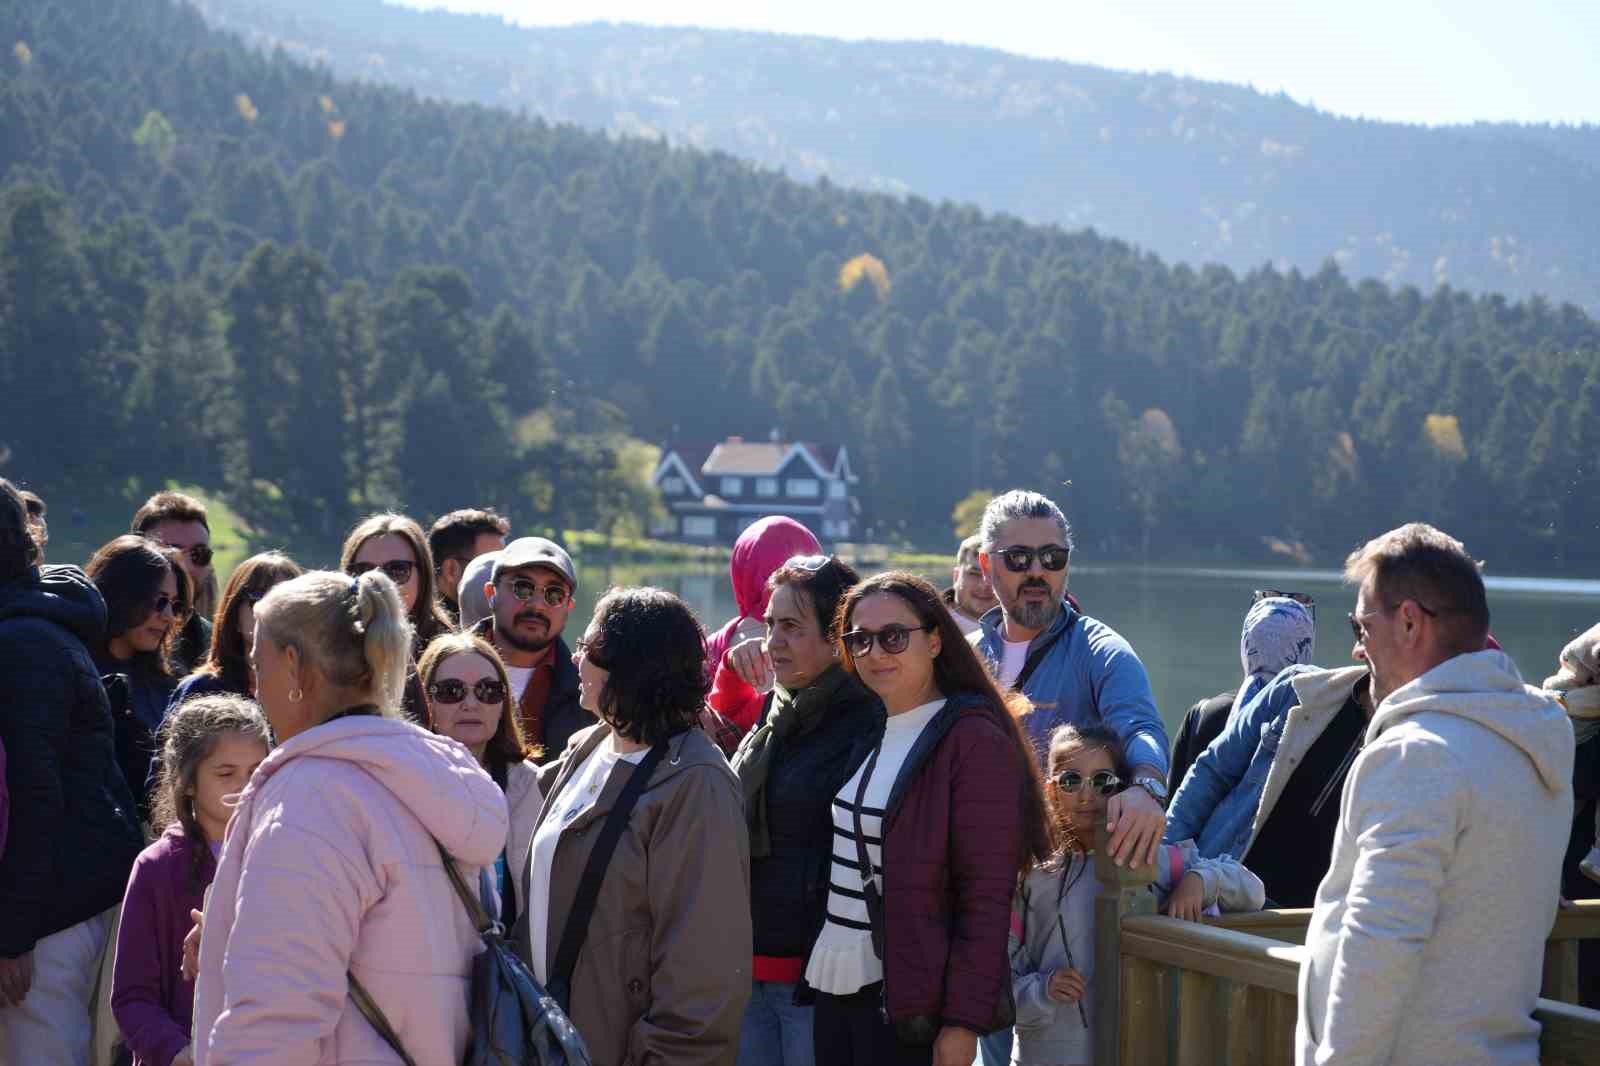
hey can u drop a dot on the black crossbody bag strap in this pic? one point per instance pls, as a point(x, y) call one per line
point(1036, 656)
point(594, 872)
point(869, 883)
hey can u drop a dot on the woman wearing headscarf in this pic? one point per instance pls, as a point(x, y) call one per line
point(759, 553)
point(1279, 631)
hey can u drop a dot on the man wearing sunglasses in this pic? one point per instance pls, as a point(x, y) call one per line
point(1426, 944)
point(179, 521)
point(530, 594)
point(1073, 668)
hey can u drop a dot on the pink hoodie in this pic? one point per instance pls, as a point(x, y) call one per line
point(328, 867)
point(757, 554)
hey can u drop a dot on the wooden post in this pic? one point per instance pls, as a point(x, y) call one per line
point(1123, 890)
point(1560, 971)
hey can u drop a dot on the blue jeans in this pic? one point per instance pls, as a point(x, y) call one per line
point(995, 1049)
point(775, 1031)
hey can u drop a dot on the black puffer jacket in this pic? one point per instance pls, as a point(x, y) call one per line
point(789, 887)
point(74, 834)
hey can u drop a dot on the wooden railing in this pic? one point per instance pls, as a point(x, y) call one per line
point(1574, 922)
point(1187, 993)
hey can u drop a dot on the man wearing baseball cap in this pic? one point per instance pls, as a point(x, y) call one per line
point(530, 596)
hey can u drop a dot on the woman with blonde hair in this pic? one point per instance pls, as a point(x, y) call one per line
point(396, 545)
point(469, 700)
point(332, 874)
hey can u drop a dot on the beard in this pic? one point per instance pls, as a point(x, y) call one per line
point(516, 640)
point(1033, 615)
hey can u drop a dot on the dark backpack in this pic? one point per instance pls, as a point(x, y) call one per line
point(514, 1021)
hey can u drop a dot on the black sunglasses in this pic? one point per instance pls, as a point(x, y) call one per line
point(200, 555)
point(893, 639)
point(1304, 599)
point(1019, 560)
point(488, 690)
point(524, 589)
point(1102, 781)
point(398, 570)
point(168, 605)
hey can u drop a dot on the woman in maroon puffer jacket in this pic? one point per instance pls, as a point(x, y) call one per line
point(911, 963)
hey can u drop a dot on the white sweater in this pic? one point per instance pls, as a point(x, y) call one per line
point(1427, 939)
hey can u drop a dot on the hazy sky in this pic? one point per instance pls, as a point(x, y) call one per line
point(1408, 60)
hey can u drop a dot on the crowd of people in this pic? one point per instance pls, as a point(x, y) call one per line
point(853, 824)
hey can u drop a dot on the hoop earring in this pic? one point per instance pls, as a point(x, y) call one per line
point(296, 695)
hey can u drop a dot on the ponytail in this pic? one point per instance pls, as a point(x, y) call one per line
point(352, 629)
point(380, 624)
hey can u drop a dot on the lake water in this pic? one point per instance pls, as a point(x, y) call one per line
point(1184, 623)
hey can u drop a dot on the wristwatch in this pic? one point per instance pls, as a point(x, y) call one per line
point(1155, 786)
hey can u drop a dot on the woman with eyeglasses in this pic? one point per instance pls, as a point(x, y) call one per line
point(650, 952)
point(815, 714)
point(469, 700)
point(1052, 952)
point(397, 546)
point(942, 814)
point(147, 596)
point(226, 669)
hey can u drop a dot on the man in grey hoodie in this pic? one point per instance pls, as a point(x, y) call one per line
point(1427, 938)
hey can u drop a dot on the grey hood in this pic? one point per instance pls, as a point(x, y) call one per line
point(1485, 687)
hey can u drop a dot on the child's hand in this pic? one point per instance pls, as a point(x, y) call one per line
point(1066, 986)
point(191, 947)
point(1188, 900)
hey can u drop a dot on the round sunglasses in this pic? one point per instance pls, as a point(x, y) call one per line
point(893, 639)
point(1102, 781)
point(524, 590)
point(488, 690)
point(398, 570)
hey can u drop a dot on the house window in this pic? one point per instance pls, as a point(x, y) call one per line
point(664, 526)
point(699, 525)
point(802, 486)
point(732, 486)
point(766, 486)
point(672, 486)
point(838, 490)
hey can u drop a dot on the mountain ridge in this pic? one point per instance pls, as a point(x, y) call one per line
point(1194, 170)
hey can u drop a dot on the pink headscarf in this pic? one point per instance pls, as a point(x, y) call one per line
point(757, 555)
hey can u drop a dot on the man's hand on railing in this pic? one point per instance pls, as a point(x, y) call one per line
point(1135, 821)
point(1188, 900)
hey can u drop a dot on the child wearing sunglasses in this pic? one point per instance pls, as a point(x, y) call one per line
point(1052, 924)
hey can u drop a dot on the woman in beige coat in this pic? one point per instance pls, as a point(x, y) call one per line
point(467, 697)
point(664, 971)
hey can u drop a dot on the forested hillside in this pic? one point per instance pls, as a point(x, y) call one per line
point(231, 268)
point(1194, 171)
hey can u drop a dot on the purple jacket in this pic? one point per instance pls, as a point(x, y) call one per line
point(150, 999)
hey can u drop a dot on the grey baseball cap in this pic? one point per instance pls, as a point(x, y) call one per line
point(470, 595)
point(535, 551)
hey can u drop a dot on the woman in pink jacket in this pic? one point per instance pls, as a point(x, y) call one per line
point(329, 867)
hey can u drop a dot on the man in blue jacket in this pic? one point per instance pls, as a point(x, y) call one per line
point(1073, 669)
